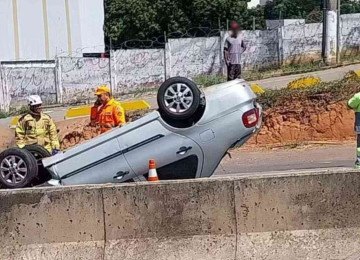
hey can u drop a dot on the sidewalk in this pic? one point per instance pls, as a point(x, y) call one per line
point(324, 75)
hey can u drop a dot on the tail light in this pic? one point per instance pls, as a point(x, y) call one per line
point(250, 118)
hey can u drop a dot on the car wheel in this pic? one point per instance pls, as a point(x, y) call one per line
point(18, 168)
point(39, 153)
point(178, 98)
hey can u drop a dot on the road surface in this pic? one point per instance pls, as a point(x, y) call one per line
point(284, 161)
point(245, 162)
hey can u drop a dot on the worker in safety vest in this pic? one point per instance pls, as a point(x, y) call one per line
point(106, 112)
point(36, 127)
point(354, 104)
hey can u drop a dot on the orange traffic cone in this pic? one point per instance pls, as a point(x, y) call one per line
point(152, 171)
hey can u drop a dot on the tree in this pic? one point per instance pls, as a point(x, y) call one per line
point(350, 6)
point(291, 9)
point(147, 19)
point(144, 19)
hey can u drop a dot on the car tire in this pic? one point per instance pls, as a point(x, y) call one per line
point(39, 153)
point(18, 168)
point(178, 98)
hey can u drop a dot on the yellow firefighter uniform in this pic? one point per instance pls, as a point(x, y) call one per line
point(42, 132)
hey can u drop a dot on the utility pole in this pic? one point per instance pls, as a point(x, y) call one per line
point(323, 48)
point(165, 46)
point(330, 37)
point(338, 32)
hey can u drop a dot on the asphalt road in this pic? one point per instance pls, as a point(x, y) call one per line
point(245, 162)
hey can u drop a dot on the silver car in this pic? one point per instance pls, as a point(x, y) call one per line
point(187, 136)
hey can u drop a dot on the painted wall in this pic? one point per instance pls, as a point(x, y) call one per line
point(193, 56)
point(79, 78)
point(350, 34)
point(274, 24)
point(137, 69)
point(262, 49)
point(299, 42)
point(20, 80)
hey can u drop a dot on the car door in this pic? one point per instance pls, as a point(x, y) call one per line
point(111, 170)
point(170, 150)
point(98, 161)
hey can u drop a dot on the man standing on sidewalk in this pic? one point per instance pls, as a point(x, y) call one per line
point(354, 104)
point(233, 48)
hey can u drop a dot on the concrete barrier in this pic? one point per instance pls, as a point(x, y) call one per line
point(51, 224)
point(190, 220)
point(313, 215)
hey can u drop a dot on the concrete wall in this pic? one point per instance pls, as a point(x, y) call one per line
point(20, 80)
point(274, 24)
point(80, 77)
point(262, 49)
point(303, 215)
point(134, 69)
point(301, 42)
point(350, 34)
point(194, 56)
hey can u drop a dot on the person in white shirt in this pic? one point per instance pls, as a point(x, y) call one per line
point(233, 48)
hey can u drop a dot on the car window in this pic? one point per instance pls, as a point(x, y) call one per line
point(185, 168)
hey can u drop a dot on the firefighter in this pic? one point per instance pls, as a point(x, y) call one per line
point(36, 127)
point(106, 112)
point(354, 104)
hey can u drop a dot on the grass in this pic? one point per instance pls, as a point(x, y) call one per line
point(209, 80)
point(327, 91)
point(283, 70)
point(251, 75)
point(13, 112)
point(350, 57)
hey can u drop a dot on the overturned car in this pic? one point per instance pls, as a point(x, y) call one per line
point(187, 136)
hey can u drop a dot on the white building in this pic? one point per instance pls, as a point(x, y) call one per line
point(43, 29)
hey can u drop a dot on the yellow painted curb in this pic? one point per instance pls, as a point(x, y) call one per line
point(304, 82)
point(257, 88)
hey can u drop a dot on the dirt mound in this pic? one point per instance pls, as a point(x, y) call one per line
point(74, 132)
point(7, 138)
point(304, 115)
point(304, 121)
